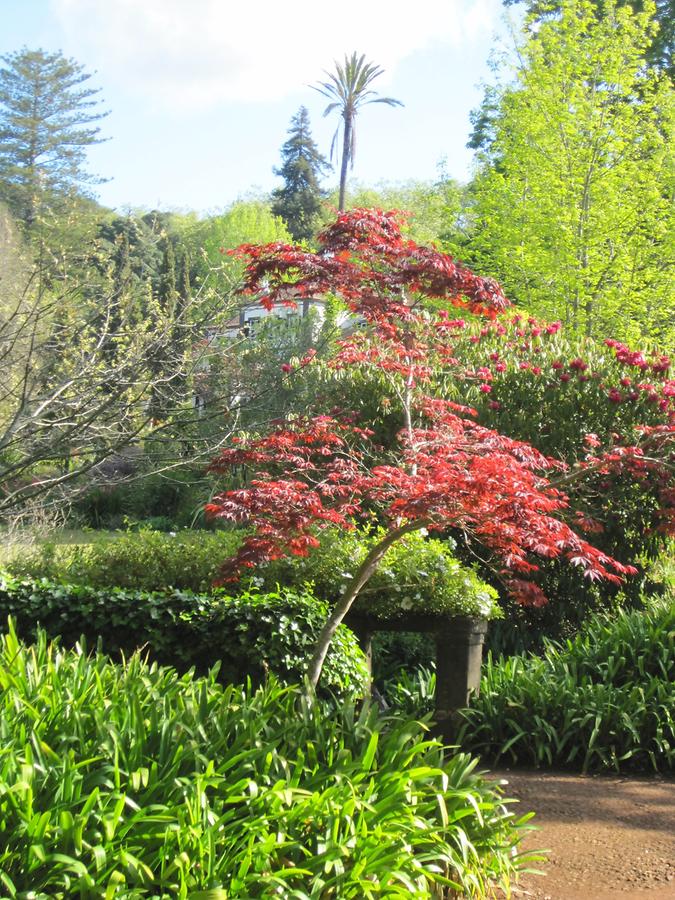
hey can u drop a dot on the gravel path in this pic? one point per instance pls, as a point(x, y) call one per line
point(610, 838)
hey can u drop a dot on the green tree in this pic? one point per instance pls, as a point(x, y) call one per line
point(434, 210)
point(245, 222)
point(47, 121)
point(348, 89)
point(661, 48)
point(298, 202)
point(573, 203)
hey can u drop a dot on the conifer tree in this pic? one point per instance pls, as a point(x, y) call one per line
point(299, 200)
point(47, 116)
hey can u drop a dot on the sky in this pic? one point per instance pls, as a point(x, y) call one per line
point(201, 92)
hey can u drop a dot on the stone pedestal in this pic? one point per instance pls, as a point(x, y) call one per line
point(459, 654)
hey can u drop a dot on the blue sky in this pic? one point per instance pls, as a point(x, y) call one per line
point(201, 92)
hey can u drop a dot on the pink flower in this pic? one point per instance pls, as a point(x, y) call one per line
point(536, 370)
point(565, 377)
point(485, 388)
point(286, 367)
point(557, 365)
point(553, 327)
point(578, 364)
point(500, 367)
point(615, 396)
point(494, 404)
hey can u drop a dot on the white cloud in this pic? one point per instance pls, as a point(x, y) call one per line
point(201, 53)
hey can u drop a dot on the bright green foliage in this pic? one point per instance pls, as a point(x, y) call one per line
point(661, 50)
point(435, 212)
point(604, 700)
point(249, 636)
point(128, 781)
point(245, 222)
point(47, 117)
point(417, 575)
point(574, 203)
point(143, 561)
point(298, 202)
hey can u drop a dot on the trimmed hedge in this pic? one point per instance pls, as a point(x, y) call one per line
point(145, 560)
point(418, 574)
point(249, 636)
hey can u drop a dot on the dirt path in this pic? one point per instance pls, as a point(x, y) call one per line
point(608, 837)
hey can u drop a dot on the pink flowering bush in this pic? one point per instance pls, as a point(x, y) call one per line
point(590, 404)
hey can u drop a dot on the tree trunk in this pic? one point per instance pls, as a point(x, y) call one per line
point(346, 156)
point(365, 570)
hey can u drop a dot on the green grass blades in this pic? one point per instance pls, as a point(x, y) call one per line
point(130, 781)
point(602, 701)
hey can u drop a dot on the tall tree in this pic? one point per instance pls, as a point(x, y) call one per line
point(348, 89)
point(298, 202)
point(443, 471)
point(47, 121)
point(661, 49)
point(574, 205)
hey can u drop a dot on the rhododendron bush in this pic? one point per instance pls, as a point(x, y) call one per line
point(445, 470)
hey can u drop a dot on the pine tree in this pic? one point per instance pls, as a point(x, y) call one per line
point(47, 119)
point(299, 200)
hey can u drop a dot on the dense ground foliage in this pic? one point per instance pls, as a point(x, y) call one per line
point(604, 700)
point(121, 781)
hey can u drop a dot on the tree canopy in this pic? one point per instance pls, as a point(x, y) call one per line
point(349, 88)
point(47, 120)
point(573, 201)
point(298, 201)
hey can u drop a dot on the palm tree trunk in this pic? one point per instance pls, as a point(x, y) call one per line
point(346, 157)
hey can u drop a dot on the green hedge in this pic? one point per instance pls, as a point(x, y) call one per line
point(604, 700)
point(250, 635)
point(145, 560)
point(418, 574)
point(129, 781)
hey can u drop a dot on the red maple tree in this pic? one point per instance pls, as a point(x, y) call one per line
point(446, 471)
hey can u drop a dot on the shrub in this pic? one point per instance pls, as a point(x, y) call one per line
point(145, 560)
point(251, 635)
point(417, 574)
point(604, 700)
point(127, 780)
point(531, 382)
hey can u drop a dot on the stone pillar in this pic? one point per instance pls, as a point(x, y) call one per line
point(459, 654)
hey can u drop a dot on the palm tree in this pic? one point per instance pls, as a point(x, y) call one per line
point(348, 88)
